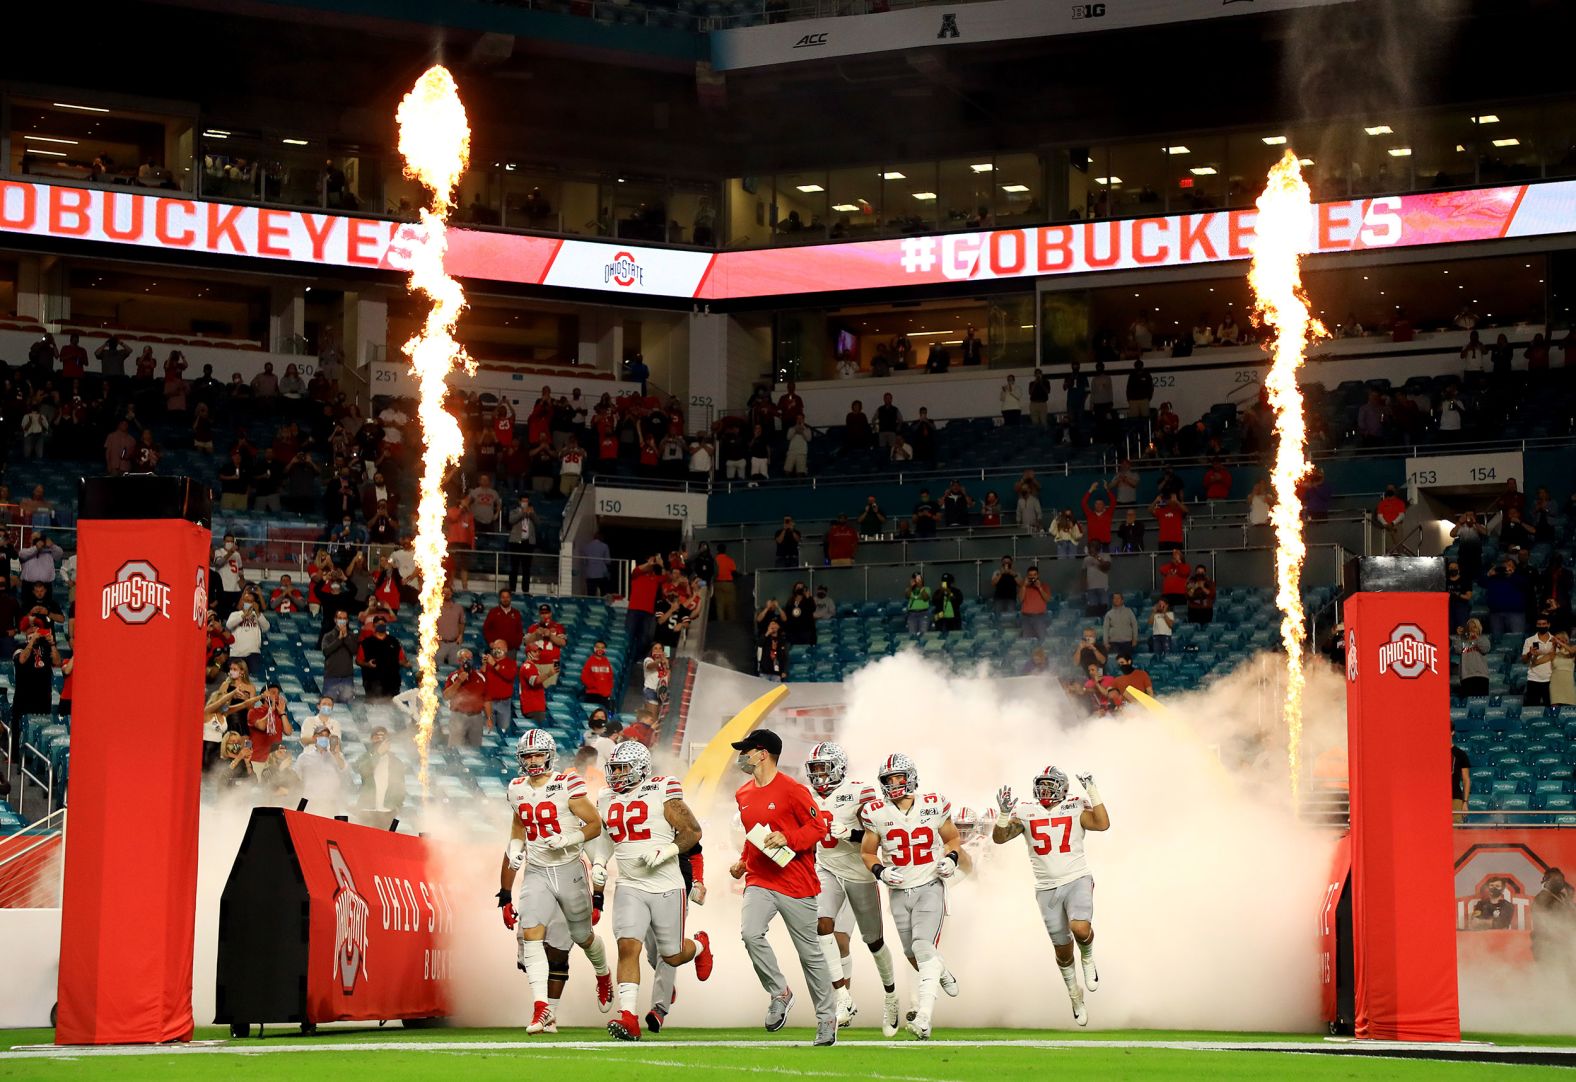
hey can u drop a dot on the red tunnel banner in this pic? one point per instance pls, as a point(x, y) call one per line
point(130, 891)
point(1398, 717)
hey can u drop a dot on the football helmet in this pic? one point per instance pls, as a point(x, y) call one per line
point(1050, 787)
point(628, 766)
point(898, 765)
point(534, 742)
point(965, 820)
point(826, 767)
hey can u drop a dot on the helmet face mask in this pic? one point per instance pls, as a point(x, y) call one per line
point(826, 767)
point(1050, 787)
point(535, 751)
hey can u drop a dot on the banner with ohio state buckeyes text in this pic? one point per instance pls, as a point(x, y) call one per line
point(379, 922)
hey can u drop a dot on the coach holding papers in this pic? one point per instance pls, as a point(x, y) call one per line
point(783, 826)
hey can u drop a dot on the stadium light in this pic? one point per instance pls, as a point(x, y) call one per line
point(809, 189)
point(845, 208)
point(1111, 181)
point(1178, 150)
point(924, 197)
point(1379, 129)
point(50, 139)
point(1507, 142)
point(50, 153)
point(1400, 152)
point(983, 167)
point(80, 108)
point(893, 175)
point(1203, 171)
point(1274, 140)
point(1015, 189)
point(294, 142)
point(1486, 118)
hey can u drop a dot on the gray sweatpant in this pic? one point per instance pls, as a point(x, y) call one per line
point(799, 914)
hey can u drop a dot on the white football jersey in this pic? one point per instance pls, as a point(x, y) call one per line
point(910, 841)
point(1055, 837)
point(841, 857)
point(636, 823)
point(544, 811)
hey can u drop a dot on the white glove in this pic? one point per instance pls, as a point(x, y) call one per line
point(1087, 781)
point(945, 868)
point(838, 830)
point(660, 855)
point(599, 876)
point(555, 842)
point(891, 876)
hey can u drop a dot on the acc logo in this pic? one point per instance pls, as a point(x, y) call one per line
point(1088, 11)
point(1408, 653)
point(810, 40)
point(949, 27)
point(1351, 654)
point(624, 271)
point(136, 595)
point(350, 924)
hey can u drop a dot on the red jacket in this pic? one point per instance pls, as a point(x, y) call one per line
point(505, 624)
point(1173, 578)
point(533, 696)
point(500, 678)
point(596, 676)
point(1217, 483)
point(1170, 519)
point(1097, 523)
point(643, 586)
point(841, 541)
point(783, 805)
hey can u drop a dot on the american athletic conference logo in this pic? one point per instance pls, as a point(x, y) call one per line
point(350, 924)
point(136, 595)
point(1408, 653)
point(624, 271)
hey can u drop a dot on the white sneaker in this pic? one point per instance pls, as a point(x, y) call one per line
point(1091, 975)
point(889, 1014)
point(846, 1008)
point(1080, 1012)
point(920, 1027)
point(949, 983)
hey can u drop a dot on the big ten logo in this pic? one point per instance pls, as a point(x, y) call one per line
point(136, 595)
point(1494, 885)
point(350, 923)
point(1088, 11)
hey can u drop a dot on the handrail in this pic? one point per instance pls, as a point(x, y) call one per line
point(29, 831)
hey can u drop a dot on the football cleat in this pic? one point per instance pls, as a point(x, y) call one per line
point(604, 992)
point(541, 1019)
point(846, 1008)
point(703, 958)
point(624, 1027)
point(1091, 975)
point(1080, 1012)
point(920, 1027)
point(949, 983)
point(654, 1020)
point(889, 1015)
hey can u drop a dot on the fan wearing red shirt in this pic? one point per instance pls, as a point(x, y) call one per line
point(546, 637)
point(1391, 509)
point(1217, 481)
point(268, 723)
point(796, 822)
point(286, 598)
point(533, 693)
point(790, 407)
point(1170, 515)
point(503, 426)
point(641, 619)
point(505, 622)
point(607, 446)
point(1097, 519)
point(596, 676)
point(842, 540)
point(1173, 579)
point(499, 669)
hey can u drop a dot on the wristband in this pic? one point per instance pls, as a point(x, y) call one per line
point(877, 869)
point(505, 897)
point(953, 856)
point(1093, 792)
point(856, 836)
point(1004, 819)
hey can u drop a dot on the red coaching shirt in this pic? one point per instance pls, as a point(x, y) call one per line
point(784, 805)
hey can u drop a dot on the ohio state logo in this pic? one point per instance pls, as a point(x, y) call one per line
point(350, 924)
point(136, 595)
point(624, 271)
point(200, 599)
point(1408, 653)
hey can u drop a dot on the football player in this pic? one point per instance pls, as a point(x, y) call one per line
point(647, 826)
point(1053, 826)
point(845, 881)
point(692, 866)
point(551, 820)
point(911, 845)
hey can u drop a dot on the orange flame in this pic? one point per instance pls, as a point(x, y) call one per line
point(435, 140)
point(1285, 228)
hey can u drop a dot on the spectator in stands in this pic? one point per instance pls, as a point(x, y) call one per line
point(1537, 654)
point(35, 663)
point(112, 356)
point(1390, 511)
point(265, 385)
point(655, 671)
point(799, 617)
point(990, 509)
point(1097, 519)
point(1200, 596)
point(1076, 386)
point(947, 603)
point(955, 505)
point(596, 676)
point(916, 605)
point(1140, 390)
point(871, 520)
point(927, 516)
point(119, 448)
point(1033, 595)
point(598, 565)
point(1170, 514)
point(922, 437)
point(291, 386)
point(1097, 581)
point(380, 778)
point(382, 660)
point(548, 636)
point(700, 462)
point(900, 451)
point(465, 691)
point(1506, 593)
point(1130, 676)
point(1173, 579)
point(1473, 649)
point(1027, 490)
point(787, 539)
point(1228, 333)
point(267, 725)
point(857, 434)
point(1123, 488)
point(760, 449)
point(796, 458)
point(1119, 628)
point(1067, 534)
point(772, 654)
point(40, 561)
point(1562, 676)
point(641, 618)
point(1513, 532)
point(1217, 481)
point(1004, 588)
point(235, 759)
point(1102, 397)
point(1460, 594)
point(35, 431)
point(248, 625)
point(323, 773)
point(723, 587)
point(499, 671)
point(1039, 398)
point(1469, 533)
point(735, 453)
point(1011, 401)
point(973, 350)
point(279, 786)
point(1162, 623)
point(1087, 651)
point(285, 598)
point(825, 607)
point(338, 644)
point(522, 542)
point(1130, 534)
point(533, 693)
point(840, 543)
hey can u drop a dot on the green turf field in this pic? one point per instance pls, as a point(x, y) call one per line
point(354, 1053)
